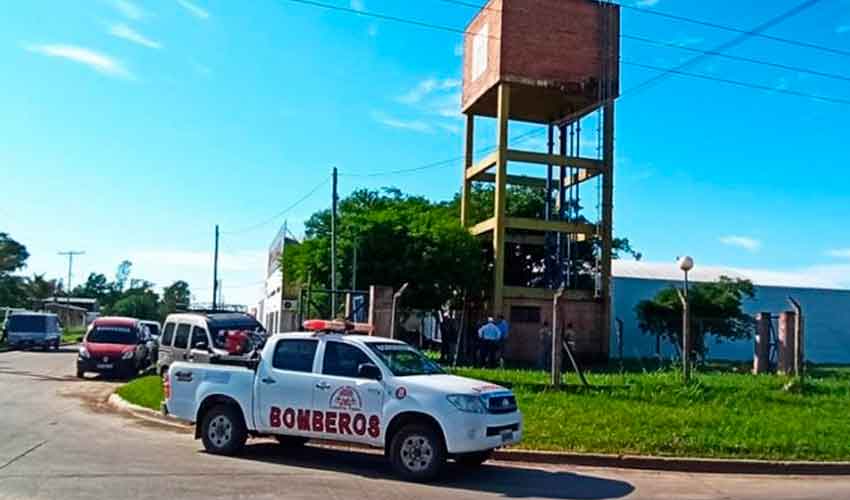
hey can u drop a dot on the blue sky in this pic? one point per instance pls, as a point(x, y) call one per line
point(129, 128)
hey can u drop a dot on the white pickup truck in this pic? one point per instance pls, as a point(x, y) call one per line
point(353, 388)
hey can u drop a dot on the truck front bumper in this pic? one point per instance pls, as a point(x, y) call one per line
point(470, 432)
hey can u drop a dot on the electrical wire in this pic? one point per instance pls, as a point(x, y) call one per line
point(281, 213)
point(686, 19)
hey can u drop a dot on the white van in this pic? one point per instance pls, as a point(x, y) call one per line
point(32, 329)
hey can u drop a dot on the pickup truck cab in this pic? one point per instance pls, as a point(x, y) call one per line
point(352, 388)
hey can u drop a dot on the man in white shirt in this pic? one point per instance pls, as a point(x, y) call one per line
point(488, 342)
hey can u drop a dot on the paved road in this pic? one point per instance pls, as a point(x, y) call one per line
point(57, 440)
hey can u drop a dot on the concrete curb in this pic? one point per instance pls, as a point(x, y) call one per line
point(120, 404)
point(669, 464)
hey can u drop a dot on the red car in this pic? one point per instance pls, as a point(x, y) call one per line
point(116, 346)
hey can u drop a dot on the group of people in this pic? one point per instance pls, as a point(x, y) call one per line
point(492, 337)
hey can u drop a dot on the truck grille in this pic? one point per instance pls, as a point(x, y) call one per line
point(501, 404)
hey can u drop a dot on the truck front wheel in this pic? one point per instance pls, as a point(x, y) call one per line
point(417, 452)
point(223, 430)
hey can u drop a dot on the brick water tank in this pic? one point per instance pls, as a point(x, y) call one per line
point(560, 56)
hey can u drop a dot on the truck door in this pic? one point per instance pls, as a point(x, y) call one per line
point(350, 405)
point(284, 385)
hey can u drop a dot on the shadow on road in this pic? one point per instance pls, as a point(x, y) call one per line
point(507, 480)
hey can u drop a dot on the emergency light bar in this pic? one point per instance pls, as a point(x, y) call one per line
point(338, 326)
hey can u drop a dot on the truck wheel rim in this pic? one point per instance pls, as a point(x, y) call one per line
point(416, 453)
point(220, 431)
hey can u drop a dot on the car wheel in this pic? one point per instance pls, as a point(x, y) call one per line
point(223, 431)
point(473, 459)
point(80, 373)
point(417, 453)
point(291, 441)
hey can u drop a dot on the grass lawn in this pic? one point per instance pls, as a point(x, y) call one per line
point(720, 414)
point(73, 335)
point(144, 391)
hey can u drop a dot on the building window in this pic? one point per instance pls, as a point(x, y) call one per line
point(525, 314)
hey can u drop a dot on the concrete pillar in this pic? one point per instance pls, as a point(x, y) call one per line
point(787, 325)
point(761, 356)
point(380, 309)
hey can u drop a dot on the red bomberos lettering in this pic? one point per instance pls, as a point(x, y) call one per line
point(329, 422)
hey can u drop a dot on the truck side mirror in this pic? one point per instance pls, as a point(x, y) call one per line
point(369, 371)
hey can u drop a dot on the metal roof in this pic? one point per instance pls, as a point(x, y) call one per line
point(669, 271)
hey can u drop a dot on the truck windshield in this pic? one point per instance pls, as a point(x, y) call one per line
point(404, 360)
point(27, 323)
point(113, 335)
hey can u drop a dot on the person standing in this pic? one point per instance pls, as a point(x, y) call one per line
point(503, 338)
point(488, 338)
point(544, 338)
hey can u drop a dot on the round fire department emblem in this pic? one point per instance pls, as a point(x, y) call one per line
point(346, 398)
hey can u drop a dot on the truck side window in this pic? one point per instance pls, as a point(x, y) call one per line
point(343, 360)
point(181, 339)
point(295, 355)
point(167, 333)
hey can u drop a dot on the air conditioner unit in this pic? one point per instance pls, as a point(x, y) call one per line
point(289, 305)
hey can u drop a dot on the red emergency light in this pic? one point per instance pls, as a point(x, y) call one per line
point(338, 326)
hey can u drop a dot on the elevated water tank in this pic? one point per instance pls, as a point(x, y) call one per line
point(560, 57)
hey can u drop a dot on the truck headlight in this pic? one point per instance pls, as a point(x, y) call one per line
point(467, 403)
point(127, 355)
point(84, 353)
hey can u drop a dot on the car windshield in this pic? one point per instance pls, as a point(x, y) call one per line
point(404, 360)
point(27, 323)
point(154, 329)
point(113, 335)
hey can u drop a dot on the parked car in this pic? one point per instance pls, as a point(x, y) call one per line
point(204, 337)
point(354, 388)
point(33, 329)
point(114, 345)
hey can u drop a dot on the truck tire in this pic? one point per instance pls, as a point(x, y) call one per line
point(291, 441)
point(223, 430)
point(473, 459)
point(417, 452)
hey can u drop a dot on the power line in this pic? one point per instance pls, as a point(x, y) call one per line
point(739, 83)
point(282, 212)
point(386, 17)
point(677, 17)
point(761, 62)
point(729, 44)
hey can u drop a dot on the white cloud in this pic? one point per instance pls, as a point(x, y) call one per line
point(451, 128)
point(745, 242)
point(121, 30)
point(97, 61)
point(427, 87)
point(194, 9)
point(844, 28)
point(358, 5)
point(841, 253)
point(647, 3)
point(129, 10)
point(413, 125)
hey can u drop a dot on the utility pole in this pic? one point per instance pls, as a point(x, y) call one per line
point(215, 271)
point(333, 243)
point(70, 254)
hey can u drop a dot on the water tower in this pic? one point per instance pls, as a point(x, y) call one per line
point(553, 63)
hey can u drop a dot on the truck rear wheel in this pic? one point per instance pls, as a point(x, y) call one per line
point(417, 452)
point(223, 430)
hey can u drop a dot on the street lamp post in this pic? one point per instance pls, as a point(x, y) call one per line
point(686, 264)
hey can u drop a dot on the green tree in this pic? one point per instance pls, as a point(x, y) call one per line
point(716, 309)
point(175, 296)
point(138, 301)
point(399, 238)
point(38, 288)
point(95, 287)
point(13, 256)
